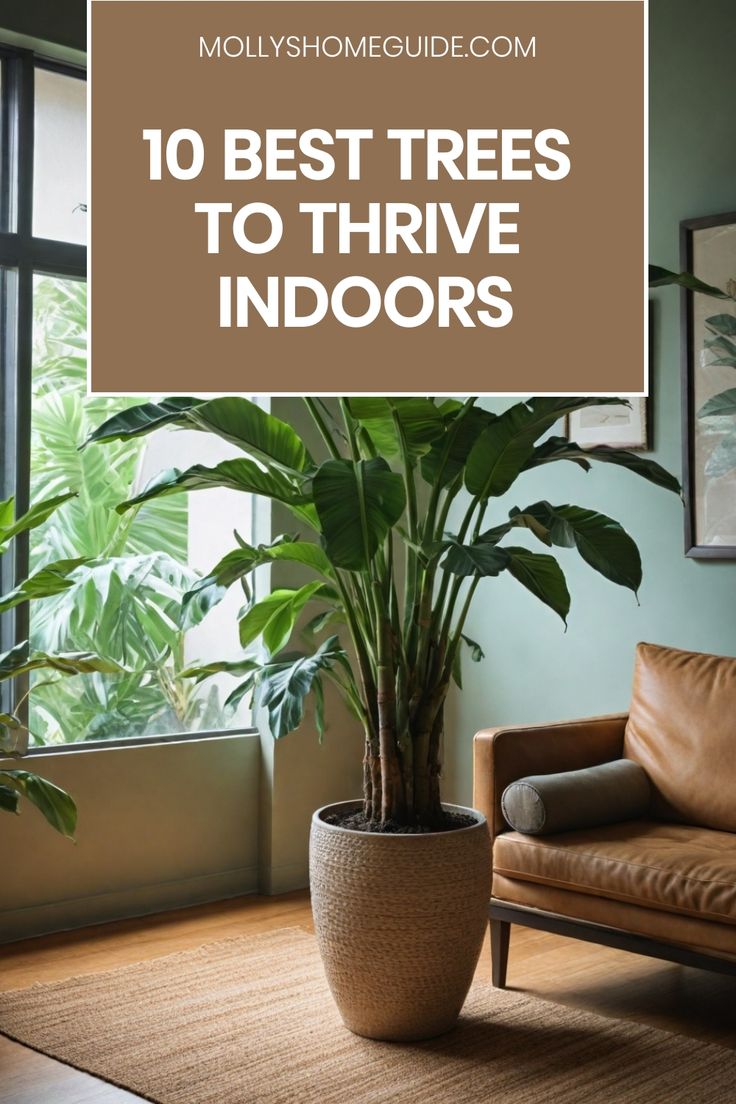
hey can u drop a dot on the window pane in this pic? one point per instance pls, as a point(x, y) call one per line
point(124, 603)
point(7, 214)
point(60, 158)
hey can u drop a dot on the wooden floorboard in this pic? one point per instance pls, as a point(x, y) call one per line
point(609, 982)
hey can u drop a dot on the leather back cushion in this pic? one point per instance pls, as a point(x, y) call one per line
point(682, 731)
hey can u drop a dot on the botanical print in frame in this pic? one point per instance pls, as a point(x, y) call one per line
point(618, 426)
point(708, 249)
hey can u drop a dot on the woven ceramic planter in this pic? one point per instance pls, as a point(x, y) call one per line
point(400, 921)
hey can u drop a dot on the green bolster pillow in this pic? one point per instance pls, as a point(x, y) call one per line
point(547, 803)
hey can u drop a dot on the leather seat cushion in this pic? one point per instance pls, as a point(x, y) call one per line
point(665, 927)
point(682, 731)
point(674, 867)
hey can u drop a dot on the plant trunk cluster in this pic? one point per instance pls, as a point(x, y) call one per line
point(406, 635)
point(401, 775)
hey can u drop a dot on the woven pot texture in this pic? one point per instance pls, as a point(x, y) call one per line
point(400, 921)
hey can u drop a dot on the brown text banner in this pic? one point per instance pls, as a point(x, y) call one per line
point(368, 197)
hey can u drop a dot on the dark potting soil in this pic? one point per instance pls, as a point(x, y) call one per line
point(358, 822)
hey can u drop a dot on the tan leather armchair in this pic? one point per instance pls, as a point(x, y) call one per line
point(664, 885)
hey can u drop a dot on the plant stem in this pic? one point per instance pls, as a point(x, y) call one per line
point(392, 795)
point(350, 429)
point(411, 559)
point(438, 484)
point(457, 634)
point(322, 427)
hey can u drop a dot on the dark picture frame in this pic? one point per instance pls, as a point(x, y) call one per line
point(707, 249)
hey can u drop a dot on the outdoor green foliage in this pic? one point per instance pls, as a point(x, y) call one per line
point(124, 600)
point(720, 347)
point(392, 566)
point(50, 579)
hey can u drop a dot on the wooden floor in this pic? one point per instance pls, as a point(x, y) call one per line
point(612, 983)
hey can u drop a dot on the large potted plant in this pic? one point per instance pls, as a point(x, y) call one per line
point(397, 512)
point(50, 579)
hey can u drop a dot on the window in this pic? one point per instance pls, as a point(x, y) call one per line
point(124, 601)
point(60, 157)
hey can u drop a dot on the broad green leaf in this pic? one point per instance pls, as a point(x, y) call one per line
point(210, 590)
point(318, 694)
point(88, 526)
point(661, 277)
point(421, 423)
point(285, 683)
point(723, 324)
point(557, 448)
point(197, 602)
point(13, 735)
point(506, 446)
point(479, 559)
point(261, 435)
point(237, 475)
point(234, 418)
point(234, 698)
point(9, 799)
point(356, 504)
point(648, 469)
point(322, 620)
point(500, 453)
point(138, 420)
point(19, 661)
point(723, 458)
point(448, 455)
point(274, 616)
point(7, 513)
point(296, 551)
point(245, 558)
point(12, 661)
point(125, 607)
point(635, 462)
point(228, 667)
point(72, 663)
point(542, 576)
point(600, 540)
point(518, 519)
point(48, 580)
point(34, 517)
point(720, 405)
point(450, 407)
point(55, 804)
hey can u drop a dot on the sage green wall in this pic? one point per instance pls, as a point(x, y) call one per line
point(161, 826)
point(533, 670)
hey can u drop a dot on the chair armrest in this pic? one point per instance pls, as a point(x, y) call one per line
point(503, 755)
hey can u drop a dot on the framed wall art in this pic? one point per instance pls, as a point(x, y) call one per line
point(708, 249)
point(628, 427)
point(622, 426)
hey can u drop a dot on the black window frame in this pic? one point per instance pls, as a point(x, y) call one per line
point(22, 256)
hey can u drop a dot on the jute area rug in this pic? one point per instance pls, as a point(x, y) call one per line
point(250, 1021)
